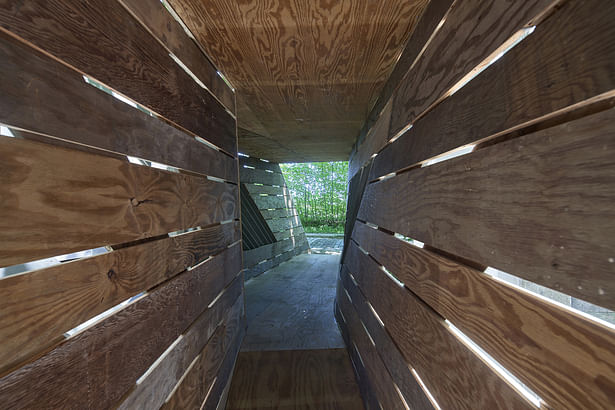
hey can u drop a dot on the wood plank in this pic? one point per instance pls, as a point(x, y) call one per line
point(278, 213)
point(296, 232)
point(518, 330)
point(376, 370)
point(528, 82)
point(428, 344)
point(552, 226)
point(272, 201)
point(370, 401)
point(254, 256)
point(276, 260)
point(283, 224)
point(153, 15)
point(194, 386)
point(130, 60)
point(225, 373)
point(288, 379)
point(205, 333)
point(267, 189)
point(58, 201)
point(116, 351)
point(388, 351)
point(376, 138)
point(260, 164)
point(433, 14)
point(37, 308)
point(45, 96)
point(257, 176)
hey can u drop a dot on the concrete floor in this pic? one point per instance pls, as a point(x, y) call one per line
point(290, 307)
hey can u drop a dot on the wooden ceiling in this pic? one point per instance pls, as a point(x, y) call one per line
point(306, 72)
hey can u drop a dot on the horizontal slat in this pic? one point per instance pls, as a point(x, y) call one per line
point(272, 263)
point(375, 139)
point(153, 390)
point(254, 256)
point(278, 213)
point(116, 351)
point(390, 354)
point(57, 201)
point(272, 202)
point(267, 189)
point(377, 372)
point(129, 60)
point(283, 224)
point(37, 308)
point(154, 16)
point(196, 382)
point(257, 176)
point(296, 232)
point(518, 330)
point(258, 164)
point(473, 29)
point(42, 95)
point(538, 206)
point(453, 373)
point(568, 59)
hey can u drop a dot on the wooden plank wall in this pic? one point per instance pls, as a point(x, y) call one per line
point(157, 319)
point(264, 182)
point(532, 196)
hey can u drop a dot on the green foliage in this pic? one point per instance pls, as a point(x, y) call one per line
point(319, 193)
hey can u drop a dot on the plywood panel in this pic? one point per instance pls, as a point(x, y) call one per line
point(538, 206)
point(428, 345)
point(509, 324)
point(159, 21)
point(568, 59)
point(287, 379)
point(57, 201)
point(37, 308)
point(129, 60)
point(42, 95)
point(309, 71)
point(156, 387)
point(116, 351)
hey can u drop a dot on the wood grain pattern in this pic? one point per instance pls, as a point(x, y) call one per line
point(129, 60)
point(428, 22)
point(95, 368)
point(552, 226)
point(153, 15)
point(518, 330)
point(294, 379)
point(568, 59)
point(388, 351)
point(208, 328)
point(376, 370)
point(429, 346)
point(42, 95)
point(309, 71)
point(194, 387)
point(37, 308)
point(57, 201)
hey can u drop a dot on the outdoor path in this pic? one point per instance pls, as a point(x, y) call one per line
point(326, 245)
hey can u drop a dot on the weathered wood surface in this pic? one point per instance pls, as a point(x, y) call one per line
point(292, 232)
point(283, 224)
point(253, 256)
point(267, 189)
point(42, 95)
point(197, 381)
point(375, 139)
point(259, 176)
point(319, 379)
point(388, 351)
point(254, 229)
point(512, 326)
point(57, 201)
point(278, 213)
point(567, 60)
point(129, 60)
point(308, 71)
point(37, 308)
point(260, 164)
point(95, 368)
point(272, 201)
point(153, 15)
point(376, 370)
point(368, 395)
point(257, 269)
point(428, 22)
point(538, 206)
point(154, 389)
point(454, 374)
